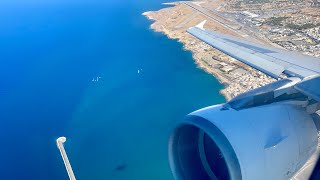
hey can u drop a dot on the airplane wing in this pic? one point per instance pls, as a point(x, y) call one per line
point(271, 61)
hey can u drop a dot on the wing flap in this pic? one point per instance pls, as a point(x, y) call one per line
point(310, 87)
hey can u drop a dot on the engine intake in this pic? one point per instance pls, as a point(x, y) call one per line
point(197, 155)
point(265, 142)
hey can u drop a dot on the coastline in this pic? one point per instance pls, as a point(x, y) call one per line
point(174, 20)
point(200, 63)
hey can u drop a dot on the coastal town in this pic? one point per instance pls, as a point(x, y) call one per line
point(288, 24)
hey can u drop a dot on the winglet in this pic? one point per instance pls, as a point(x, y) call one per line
point(200, 25)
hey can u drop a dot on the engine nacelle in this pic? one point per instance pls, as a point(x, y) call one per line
point(266, 142)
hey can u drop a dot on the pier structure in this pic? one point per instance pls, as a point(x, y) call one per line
point(64, 156)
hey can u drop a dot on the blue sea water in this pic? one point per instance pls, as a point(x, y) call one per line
point(50, 54)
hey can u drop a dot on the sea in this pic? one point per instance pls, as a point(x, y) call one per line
point(94, 72)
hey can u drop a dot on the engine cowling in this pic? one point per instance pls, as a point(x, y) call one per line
point(266, 142)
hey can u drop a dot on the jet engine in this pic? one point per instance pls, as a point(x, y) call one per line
point(271, 141)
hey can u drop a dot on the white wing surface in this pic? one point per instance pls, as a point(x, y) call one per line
point(271, 61)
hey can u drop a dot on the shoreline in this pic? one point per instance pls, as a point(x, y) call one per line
point(200, 64)
point(174, 20)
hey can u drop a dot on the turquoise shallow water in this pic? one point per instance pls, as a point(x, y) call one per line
point(51, 51)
